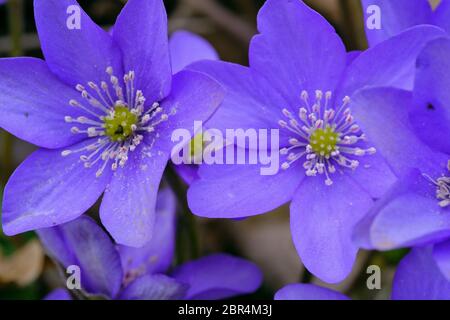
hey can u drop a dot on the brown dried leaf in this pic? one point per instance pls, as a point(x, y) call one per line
point(24, 266)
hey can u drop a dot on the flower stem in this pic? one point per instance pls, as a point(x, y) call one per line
point(6, 156)
point(15, 19)
point(354, 18)
point(187, 226)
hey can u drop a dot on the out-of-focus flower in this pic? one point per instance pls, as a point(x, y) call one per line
point(102, 108)
point(185, 49)
point(58, 294)
point(399, 15)
point(417, 278)
point(414, 140)
point(119, 272)
point(24, 266)
point(300, 81)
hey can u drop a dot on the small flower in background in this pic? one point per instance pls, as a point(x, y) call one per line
point(102, 108)
point(186, 48)
point(119, 272)
point(414, 141)
point(397, 16)
point(417, 278)
point(301, 81)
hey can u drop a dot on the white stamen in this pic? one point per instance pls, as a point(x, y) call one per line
point(338, 145)
point(100, 104)
point(442, 188)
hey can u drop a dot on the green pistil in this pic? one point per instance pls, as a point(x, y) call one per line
point(196, 145)
point(119, 125)
point(323, 141)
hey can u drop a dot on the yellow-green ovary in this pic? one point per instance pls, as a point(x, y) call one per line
point(120, 125)
point(323, 141)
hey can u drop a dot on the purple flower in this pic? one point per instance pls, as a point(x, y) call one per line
point(417, 278)
point(119, 272)
point(301, 291)
point(58, 294)
point(399, 15)
point(187, 48)
point(102, 108)
point(414, 141)
point(301, 81)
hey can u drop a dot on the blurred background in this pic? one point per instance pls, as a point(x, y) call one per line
point(25, 271)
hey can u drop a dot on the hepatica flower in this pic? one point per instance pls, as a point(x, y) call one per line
point(417, 278)
point(397, 16)
point(301, 82)
point(119, 272)
point(185, 49)
point(414, 141)
point(102, 108)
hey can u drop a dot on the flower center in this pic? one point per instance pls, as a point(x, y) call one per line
point(443, 191)
point(119, 118)
point(323, 141)
point(120, 124)
point(196, 146)
point(326, 137)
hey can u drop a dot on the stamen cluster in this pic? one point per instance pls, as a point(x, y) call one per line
point(324, 136)
point(119, 118)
